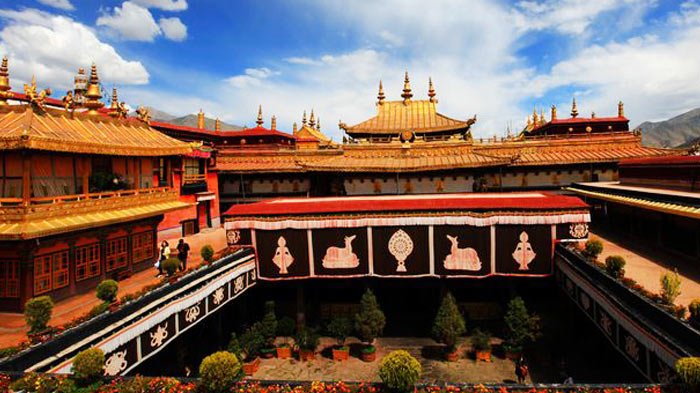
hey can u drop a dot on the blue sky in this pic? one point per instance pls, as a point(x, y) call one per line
point(496, 59)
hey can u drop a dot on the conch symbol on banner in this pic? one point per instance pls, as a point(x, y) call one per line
point(341, 258)
point(578, 230)
point(282, 256)
point(400, 246)
point(461, 258)
point(523, 253)
point(116, 363)
point(233, 236)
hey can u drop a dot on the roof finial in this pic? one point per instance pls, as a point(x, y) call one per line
point(217, 124)
point(554, 112)
point(620, 109)
point(431, 90)
point(115, 109)
point(115, 100)
point(318, 123)
point(93, 94)
point(574, 110)
point(542, 119)
point(4, 82)
point(273, 123)
point(303, 119)
point(312, 120)
point(592, 115)
point(259, 121)
point(380, 95)
point(535, 118)
point(294, 128)
point(200, 120)
point(529, 123)
point(406, 95)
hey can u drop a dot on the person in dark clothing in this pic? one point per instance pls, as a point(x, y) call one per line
point(521, 370)
point(183, 251)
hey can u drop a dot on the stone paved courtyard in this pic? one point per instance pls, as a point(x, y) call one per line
point(426, 350)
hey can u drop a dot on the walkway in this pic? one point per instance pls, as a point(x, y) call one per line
point(646, 265)
point(13, 329)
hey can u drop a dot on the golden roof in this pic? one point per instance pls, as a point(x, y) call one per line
point(306, 132)
point(61, 131)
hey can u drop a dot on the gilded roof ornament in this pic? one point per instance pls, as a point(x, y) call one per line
point(4, 82)
point(431, 90)
point(36, 99)
point(406, 95)
point(574, 110)
point(68, 102)
point(380, 95)
point(217, 124)
point(294, 128)
point(535, 118)
point(303, 119)
point(620, 109)
point(592, 115)
point(93, 95)
point(312, 120)
point(143, 113)
point(273, 123)
point(259, 121)
point(200, 120)
point(554, 112)
point(117, 109)
point(542, 118)
point(318, 123)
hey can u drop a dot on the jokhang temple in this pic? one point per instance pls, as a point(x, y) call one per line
point(87, 191)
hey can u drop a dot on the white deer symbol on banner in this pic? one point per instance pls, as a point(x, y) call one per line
point(283, 258)
point(341, 258)
point(461, 258)
point(523, 253)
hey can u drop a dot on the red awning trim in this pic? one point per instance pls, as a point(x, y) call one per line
point(196, 153)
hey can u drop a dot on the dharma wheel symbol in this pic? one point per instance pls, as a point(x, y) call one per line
point(400, 246)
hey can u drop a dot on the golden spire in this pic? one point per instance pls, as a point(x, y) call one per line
point(535, 119)
point(620, 109)
point(318, 123)
point(93, 95)
point(201, 124)
point(406, 95)
point(312, 120)
point(574, 110)
point(294, 128)
point(529, 123)
point(4, 82)
point(542, 119)
point(380, 95)
point(273, 123)
point(303, 119)
point(431, 90)
point(259, 121)
point(554, 112)
point(592, 115)
point(114, 105)
point(217, 124)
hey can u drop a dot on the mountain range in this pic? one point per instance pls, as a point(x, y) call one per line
point(188, 120)
point(682, 131)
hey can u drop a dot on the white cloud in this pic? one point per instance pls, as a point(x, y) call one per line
point(301, 60)
point(53, 47)
point(173, 29)
point(252, 77)
point(60, 4)
point(166, 5)
point(130, 22)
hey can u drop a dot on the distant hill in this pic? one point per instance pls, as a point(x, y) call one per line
point(680, 131)
point(189, 120)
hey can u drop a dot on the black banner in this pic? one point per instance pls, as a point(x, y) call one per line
point(524, 249)
point(238, 237)
point(400, 251)
point(340, 251)
point(283, 253)
point(191, 315)
point(462, 250)
point(158, 335)
point(117, 361)
point(572, 231)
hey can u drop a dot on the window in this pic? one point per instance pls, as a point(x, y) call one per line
point(142, 246)
point(117, 253)
point(59, 261)
point(87, 261)
point(50, 272)
point(42, 274)
point(9, 279)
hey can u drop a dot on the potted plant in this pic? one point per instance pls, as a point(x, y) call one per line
point(369, 324)
point(252, 341)
point(285, 329)
point(269, 330)
point(615, 266)
point(37, 313)
point(521, 328)
point(219, 371)
point(170, 267)
point(448, 326)
point(307, 341)
point(339, 328)
point(694, 310)
point(207, 254)
point(107, 292)
point(481, 343)
point(593, 248)
point(399, 371)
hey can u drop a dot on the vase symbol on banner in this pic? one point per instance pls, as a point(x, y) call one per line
point(523, 253)
point(282, 256)
point(400, 246)
point(461, 258)
point(341, 258)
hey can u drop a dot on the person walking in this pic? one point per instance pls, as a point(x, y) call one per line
point(164, 254)
point(183, 251)
point(521, 370)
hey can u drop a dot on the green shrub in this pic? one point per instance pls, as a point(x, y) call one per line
point(399, 371)
point(269, 324)
point(521, 328)
point(43, 383)
point(339, 328)
point(481, 340)
point(694, 309)
point(170, 265)
point(370, 321)
point(670, 286)
point(234, 346)
point(615, 266)
point(219, 371)
point(593, 248)
point(449, 323)
point(37, 313)
point(252, 340)
point(688, 369)
point(107, 291)
point(207, 253)
point(98, 309)
point(88, 365)
point(285, 328)
point(307, 339)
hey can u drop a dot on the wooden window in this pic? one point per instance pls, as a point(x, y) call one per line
point(59, 260)
point(87, 261)
point(42, 274)
point(117, 253)
point(142, 246)
point(188, 228)
point(9, 279)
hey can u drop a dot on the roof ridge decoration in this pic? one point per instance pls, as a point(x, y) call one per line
point(4, 82)
point(36, 99)
point(431, 91)
point(93, 95)
point(620, 109)
point(273, 123)
point(117, 109)
point(407, 94)
point(303, 119)
point(380, 95)
point(201, 120)
point(260, 120)
point(574, 109)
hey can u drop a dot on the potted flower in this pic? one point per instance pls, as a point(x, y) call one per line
point(37, 313)
point(269, 331)
point(521, 328)
point(481, 343)
point(207, 254)
point(339, 328)
point(285, 329)
point(170, 266)
point(448, 326)
point(251, 342)
point(107, 292)
point(307, 341)
point(369, 323)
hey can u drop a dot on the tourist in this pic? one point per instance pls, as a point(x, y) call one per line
point(164, 254)
point(183, 250)
point(521, 370)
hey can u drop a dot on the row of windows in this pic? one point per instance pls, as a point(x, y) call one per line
point(9, 278)
point(51, 270)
